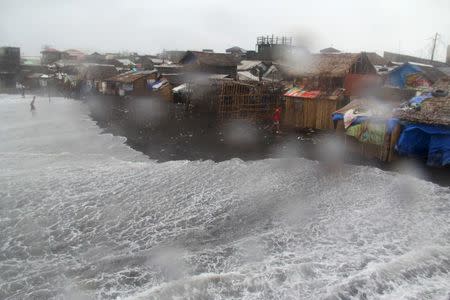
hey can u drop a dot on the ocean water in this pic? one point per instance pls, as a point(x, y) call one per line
point(83, 216)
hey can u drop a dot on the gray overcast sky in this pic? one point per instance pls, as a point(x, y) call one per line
point(149, 26)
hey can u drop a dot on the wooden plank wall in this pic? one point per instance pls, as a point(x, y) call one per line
point(307, 113)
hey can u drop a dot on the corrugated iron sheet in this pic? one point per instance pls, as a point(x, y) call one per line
point(299, 93)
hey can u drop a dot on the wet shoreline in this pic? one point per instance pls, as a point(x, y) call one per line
point(174, 134)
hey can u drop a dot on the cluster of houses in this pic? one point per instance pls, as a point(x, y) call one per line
point(383, 106)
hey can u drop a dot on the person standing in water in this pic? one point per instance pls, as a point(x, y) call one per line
point(32, 107)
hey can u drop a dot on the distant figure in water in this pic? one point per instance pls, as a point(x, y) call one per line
point(276, 118)
point(20, 88)
point(32, 107)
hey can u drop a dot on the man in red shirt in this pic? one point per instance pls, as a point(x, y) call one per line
point(276, 118)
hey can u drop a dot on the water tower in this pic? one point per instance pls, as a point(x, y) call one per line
point(273, 47)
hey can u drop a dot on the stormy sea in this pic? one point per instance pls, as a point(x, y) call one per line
point(84, 216)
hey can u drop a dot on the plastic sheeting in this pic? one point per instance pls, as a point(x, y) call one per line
point(419, 99)
point(337, 116)
point(426, 141)
point(407, 75)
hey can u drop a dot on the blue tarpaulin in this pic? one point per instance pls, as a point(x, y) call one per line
point(426, 141)
point(337, 117)
point(419, 99)
point(398, 76)
point(357, 120)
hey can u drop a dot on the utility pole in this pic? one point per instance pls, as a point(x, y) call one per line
point(434, 45)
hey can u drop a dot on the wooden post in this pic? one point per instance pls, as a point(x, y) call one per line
point(393, 140)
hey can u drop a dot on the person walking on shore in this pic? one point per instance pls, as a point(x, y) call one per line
point(32, 107)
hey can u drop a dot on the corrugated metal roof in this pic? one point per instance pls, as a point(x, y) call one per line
point(130, 76)
point(158, 61)
point(407, 58)
point(272, 74)
point(182, 87)
point(296, 92)
point(126, 61)
point(247, 76)
point(246, 65)
point(218, 76)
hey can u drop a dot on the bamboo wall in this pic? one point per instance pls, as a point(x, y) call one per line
point(244, 101)
point(309, 113)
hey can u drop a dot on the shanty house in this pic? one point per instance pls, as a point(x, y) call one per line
point(426, 128)
point(210, 63)
point(50, 55)
point(95, 57)
point(173, 55)
point(272, 74)
point(93, 74)
point(327, 72)
point(310, 109)
point(144, 63)
point(73, 54)
point(9, 66)
point(236, 51)
point(251, 70)
point(249, 100)
point(126, 63)
point(320, 80)
point(31, 72)
point(130, 83)
point(363, 123)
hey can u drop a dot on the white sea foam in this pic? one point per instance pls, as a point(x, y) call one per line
point(83, 215)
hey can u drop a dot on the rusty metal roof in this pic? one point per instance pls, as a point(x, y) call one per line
point(131, 76)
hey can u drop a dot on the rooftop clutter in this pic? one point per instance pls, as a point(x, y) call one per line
point(359, 94)
point(418, 128)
